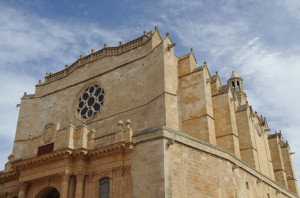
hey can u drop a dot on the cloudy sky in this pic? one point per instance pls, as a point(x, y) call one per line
point(258, 39)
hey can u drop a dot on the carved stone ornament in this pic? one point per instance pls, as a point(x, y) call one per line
point(121, 170)
point(118, 171)
point(49, 133)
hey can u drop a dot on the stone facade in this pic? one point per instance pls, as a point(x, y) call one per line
point(138, 121)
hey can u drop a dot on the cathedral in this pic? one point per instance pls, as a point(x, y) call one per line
point(137, 121)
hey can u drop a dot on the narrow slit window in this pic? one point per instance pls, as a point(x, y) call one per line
point(104, 188)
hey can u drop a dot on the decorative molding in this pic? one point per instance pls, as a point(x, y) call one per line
point(118, 171)
point(65, 175)
point(118, 147)
point(67, 154)
point(121, 170)
point(81, 175)
point(49, 156)
point(106, 51)
point(8, 176)
point(106, 138)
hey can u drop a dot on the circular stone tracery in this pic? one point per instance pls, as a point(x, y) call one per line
point(90, 101)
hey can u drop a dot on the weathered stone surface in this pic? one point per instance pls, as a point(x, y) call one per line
point(150, 124)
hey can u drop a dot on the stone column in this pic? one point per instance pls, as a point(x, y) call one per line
point(64, 185)
point(22, 190)
point(79, 185)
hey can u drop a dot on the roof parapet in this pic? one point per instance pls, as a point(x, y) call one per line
point(106, 51)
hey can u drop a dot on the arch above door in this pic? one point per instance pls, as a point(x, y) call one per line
point(48, 192)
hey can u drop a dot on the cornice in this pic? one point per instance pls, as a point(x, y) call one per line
point(104, 52)
point(84, 153)
point(33, 160)
point(7, 176)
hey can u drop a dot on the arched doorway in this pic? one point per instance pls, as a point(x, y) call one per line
point(48, 192)
point(53, 194)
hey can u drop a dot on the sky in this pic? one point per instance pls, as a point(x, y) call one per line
point(258, 39)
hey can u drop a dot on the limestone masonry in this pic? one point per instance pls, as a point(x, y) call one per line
point(136, 121)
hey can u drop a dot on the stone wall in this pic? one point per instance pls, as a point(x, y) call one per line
point(193, 168)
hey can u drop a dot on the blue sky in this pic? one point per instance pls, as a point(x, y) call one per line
point(258, 39)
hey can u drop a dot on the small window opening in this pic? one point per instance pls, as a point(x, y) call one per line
point(233, 85)
point(268, 195)
point(247, 185)
point(238, 85)
point(104, 188)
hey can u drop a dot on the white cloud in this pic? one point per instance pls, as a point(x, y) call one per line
point(255, 38)
point(30, 46)
point(229, 40)
point(293, 7)
point(25, 38)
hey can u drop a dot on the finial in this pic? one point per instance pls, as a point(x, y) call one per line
point(217, 73)
point(128, 123)
point(255, 112)
point(156, 28)
point(40, 81)
point(25, 93)
point(204, 62)
point(120, 43)
point(105, 45)
point(47, 74)
point(93, 51)
point(167, 34)
point(192, 50)
point(92, 134)
point(120, 124)
point(144, 32)
point(81, 56)
point(67, 66)
point(251, 110)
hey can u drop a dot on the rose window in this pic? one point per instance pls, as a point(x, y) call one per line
point(90, 101)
